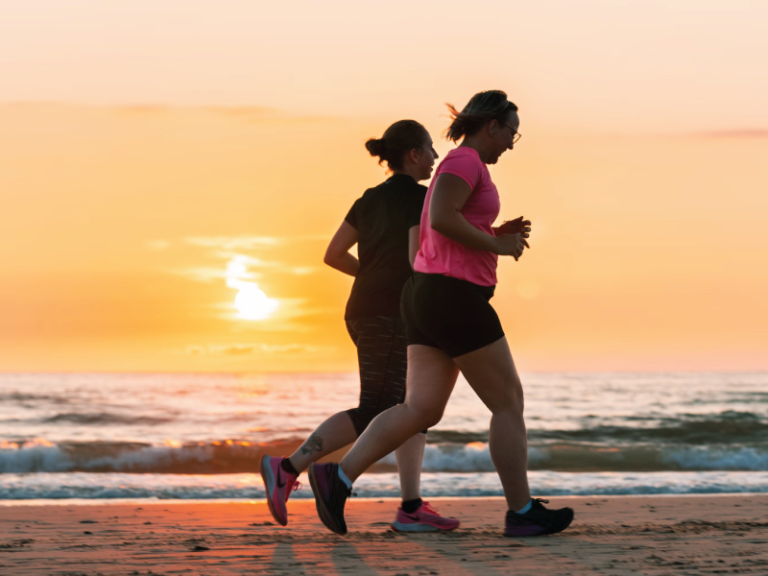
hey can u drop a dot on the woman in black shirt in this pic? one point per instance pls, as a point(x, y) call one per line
point(384, 223)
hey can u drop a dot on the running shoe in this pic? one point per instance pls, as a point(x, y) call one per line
point(331, 494)
point(278, 485)
point(425, 519)
point(538, 521)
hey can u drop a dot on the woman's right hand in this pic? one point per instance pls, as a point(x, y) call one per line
point(511, 245)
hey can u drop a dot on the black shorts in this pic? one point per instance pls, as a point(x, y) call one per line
point(450, 314)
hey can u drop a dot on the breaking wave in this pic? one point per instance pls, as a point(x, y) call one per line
point(16, 488)
point(105, 419)
point(233, 456)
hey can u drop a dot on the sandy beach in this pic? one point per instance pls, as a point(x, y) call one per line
point(611, 535)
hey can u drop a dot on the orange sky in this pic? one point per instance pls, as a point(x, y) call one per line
point(144, 149)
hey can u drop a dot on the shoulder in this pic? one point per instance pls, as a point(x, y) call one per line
point(463, 156)
point(373, 190)
point(371, 194)
point(464, 163)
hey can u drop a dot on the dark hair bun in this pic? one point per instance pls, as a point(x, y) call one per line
point(376, 147)
point(400, 138)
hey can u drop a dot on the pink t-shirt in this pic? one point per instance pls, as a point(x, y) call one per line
point(439, 255)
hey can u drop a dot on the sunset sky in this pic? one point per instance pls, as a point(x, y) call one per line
point(158, 157)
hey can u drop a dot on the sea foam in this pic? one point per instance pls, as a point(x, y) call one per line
point(78, 485)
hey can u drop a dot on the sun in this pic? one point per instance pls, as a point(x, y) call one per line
point(253, 304)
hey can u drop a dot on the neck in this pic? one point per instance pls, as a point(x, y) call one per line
point(476, 143)
point(408, 171)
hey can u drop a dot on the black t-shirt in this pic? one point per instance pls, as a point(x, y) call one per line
point(382, 218)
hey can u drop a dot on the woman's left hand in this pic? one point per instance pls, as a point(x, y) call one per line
point(516, 226)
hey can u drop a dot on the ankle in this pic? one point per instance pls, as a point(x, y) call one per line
point(410, 506)
point(525, 508)
point(288, 466)
point(344, 478)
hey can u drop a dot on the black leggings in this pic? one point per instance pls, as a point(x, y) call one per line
point(382, 354)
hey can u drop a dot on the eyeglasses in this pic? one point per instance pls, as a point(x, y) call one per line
point(515, 135)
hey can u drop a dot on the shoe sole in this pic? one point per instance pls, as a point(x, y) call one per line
point(322, 510)
point(269, 484)
point(419, 527)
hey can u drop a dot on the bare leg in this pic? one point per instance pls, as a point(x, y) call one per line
point(431, 378)
point(409, 458)
point(336, 432)
point(492, 374)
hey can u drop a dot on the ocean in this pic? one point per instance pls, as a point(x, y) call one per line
point(95, 437)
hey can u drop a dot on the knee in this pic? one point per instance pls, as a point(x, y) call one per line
point(427, 416)
point(513, 402)
point(432, 419)
point(518, 398)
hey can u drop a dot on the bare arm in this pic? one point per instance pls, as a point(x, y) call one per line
point(448, 198)
point(413, 243)
point(337, 255)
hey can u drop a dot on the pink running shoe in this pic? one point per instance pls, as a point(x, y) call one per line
point(425, 519)
point(278, 484)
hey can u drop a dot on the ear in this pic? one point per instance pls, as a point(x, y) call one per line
point(413, 155)
point(493, 127)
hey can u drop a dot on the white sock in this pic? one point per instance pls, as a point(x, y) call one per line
point(522, 510)
point(344, 478)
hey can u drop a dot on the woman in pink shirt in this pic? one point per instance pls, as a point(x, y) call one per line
point(452, 327)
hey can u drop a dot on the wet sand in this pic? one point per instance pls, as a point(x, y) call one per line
point(678, 535)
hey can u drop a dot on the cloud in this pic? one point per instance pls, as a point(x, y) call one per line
point(253, 349)
point(230, 248)
point(143, 109)
point(263, 311)
point(252, 242)
point(157, 244)
point(282, 317)
point(239, 268)
point(263, 115)
point(234, 242)
point(244, 259)
point(302, 270)
point(247, 114)
point(735, 134)
point(206, 274)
